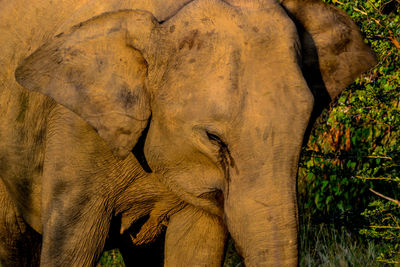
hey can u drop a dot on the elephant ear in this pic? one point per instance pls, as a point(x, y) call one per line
point(334, 53)
point(98, 70)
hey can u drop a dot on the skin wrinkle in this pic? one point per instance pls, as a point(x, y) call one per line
point(234, 74)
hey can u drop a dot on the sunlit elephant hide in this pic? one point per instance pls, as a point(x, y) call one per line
point(124, 123)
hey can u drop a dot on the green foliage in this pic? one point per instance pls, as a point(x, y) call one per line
point(111, 258)
point(232, 259)
point(384, 218)
point(355, 144)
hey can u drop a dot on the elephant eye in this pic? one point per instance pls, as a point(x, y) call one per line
point(224, 155)
point(215, 138)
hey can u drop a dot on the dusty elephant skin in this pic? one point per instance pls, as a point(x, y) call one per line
point(122, 121)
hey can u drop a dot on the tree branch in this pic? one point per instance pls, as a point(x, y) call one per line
point(385, 197)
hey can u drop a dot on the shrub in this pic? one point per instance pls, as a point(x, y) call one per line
point(355, 144)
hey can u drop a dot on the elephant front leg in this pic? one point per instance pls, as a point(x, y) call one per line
point(79, 184)
point(194, 238)
point(75, 233)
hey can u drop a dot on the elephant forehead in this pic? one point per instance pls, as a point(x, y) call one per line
point(210, 21)
point(206, 76)
point(203, 84)
point(216, 81)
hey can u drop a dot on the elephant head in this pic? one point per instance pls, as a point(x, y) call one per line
point(226, 89)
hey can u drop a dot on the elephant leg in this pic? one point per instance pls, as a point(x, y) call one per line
point(78, 190)
point(20, 245)
point(76, 218)
point(194, 238)
point(74, 233)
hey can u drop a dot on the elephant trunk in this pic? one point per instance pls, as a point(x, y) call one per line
point(261, 207)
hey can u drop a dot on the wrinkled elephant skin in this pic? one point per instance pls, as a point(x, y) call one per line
point(127, 122)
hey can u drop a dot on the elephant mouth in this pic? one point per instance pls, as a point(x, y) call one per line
point(210, 201)
point(144, 225)
point(155, 222)
point(157, 219)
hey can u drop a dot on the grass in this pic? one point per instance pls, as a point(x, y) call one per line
point(320, 245)
point(324, 245)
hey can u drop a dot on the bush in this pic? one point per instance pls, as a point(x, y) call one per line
point(355, 145)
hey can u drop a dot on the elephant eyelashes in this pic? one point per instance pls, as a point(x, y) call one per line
point(214, 138)
point(224, 155)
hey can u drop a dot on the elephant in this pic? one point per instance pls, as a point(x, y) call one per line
point(179, 122)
